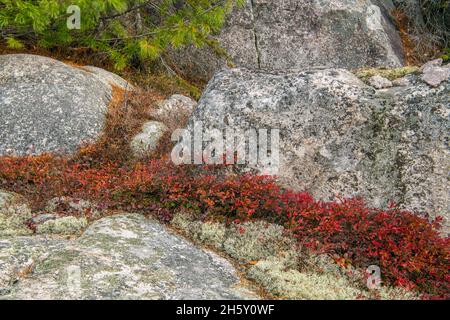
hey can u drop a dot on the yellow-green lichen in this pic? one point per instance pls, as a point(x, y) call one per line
point(390, 74)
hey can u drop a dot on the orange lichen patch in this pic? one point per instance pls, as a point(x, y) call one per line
point(73, 64)
point(409, 47)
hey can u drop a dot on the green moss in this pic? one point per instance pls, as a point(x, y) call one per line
point(390, 74)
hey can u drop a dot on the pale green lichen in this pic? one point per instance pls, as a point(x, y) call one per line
point(391, 74)
point(258, 240)
point(213, 233)
point(14, 213)
point(389, 293)
point(288, 283)
point(63, 226)
point(245, 242)
point(187, 225)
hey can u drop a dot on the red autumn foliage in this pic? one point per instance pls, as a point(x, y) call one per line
point(407, 247)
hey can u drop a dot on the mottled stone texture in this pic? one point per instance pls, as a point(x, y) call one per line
point(294, 34)
point(48, 106)
point(340, 136)
point(120, 257)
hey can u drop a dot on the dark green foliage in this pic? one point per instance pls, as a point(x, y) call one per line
point(125, 30)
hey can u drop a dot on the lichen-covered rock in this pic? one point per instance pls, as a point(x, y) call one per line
point(62, 226)
point(175, 109)
point(109, 78)
point(14, 213)
point(19, 255)
point(434, 73)
point(126, 257)
point(378, 82)
point(339, 136)
point(148, 139)
point(48, 106)
point(401, 82)
point(294, 34)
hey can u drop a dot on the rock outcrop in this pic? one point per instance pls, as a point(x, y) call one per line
point(49, 106)
point(339, 136)
point(120, 257)
point(291, 35)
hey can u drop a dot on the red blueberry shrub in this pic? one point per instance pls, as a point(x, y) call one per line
point(408, 248)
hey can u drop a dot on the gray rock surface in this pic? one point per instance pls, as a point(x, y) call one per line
point(148, 139)
point(434, 73)
point(119, 257)
point(175, 109)
point(293, 34)
point(48, 106)
point(401, 82)
point(378, 82)
point(339, 136)
point(109, 78)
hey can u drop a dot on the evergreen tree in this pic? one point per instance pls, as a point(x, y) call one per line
point(124, 29)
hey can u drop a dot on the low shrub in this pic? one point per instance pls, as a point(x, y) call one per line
point(424, 26)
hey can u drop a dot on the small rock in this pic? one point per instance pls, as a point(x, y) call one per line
point(431, 64)
point(147, 141)
point(176, 107)
point(434, 76)
point(379, 82)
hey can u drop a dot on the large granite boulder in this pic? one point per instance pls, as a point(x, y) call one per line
point(119, 257)
point(339, 136)
point(293, 34)
point(48, 106)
